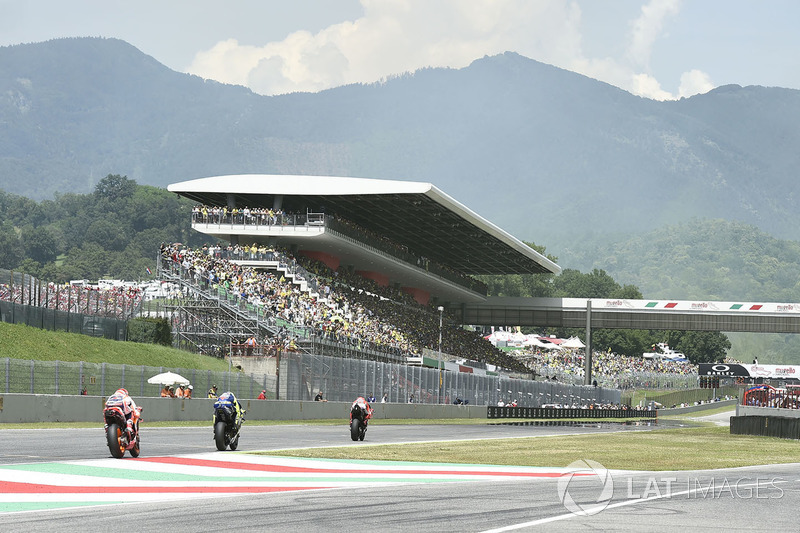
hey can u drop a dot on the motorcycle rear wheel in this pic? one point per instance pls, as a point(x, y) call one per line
point(354, 428)
point(219, 436)
point(362, 433)
point(235, 443)
point(114, 438)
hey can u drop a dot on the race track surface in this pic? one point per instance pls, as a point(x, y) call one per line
point(65, 480)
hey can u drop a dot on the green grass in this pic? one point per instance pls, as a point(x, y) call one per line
point(659, 450)
point(23, 342)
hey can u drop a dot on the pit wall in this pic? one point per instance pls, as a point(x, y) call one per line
point(23, 408)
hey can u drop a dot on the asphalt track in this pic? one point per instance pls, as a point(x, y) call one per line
point(369, 497)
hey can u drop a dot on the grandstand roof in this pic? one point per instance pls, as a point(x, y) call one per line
point(414, 214)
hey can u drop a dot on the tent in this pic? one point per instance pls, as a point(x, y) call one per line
point(573, 342)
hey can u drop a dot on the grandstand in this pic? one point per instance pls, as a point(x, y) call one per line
point(413, 249)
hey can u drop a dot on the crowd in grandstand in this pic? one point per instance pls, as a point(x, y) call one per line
point(345, 306)
point(268, 217)
point(571, 361)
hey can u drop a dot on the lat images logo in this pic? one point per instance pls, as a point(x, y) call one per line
point(585, 488)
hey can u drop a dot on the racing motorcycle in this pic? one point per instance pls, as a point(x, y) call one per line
point(358, 421)
point(227, 421)
point(119, 441)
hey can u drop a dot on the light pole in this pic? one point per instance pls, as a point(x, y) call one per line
point(439, 360)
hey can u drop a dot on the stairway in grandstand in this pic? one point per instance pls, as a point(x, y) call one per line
point(206, 318)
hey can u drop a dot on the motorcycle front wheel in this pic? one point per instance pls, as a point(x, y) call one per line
point(219, 435)
point(114, 438)
point(355, 430)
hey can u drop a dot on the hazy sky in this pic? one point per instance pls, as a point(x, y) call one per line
point(654, 48)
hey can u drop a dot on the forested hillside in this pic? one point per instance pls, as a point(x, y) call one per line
point(114, 232)
point(706, 260)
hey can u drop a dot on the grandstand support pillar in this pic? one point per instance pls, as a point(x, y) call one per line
point(587, 359)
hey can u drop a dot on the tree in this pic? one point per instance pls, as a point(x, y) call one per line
point(114, 187)
point(11, 250)
point(702, 346)
point(39, 244)
point(574, 284)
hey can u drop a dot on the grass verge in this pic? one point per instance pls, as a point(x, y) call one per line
point(25, 342)
point(659, 450)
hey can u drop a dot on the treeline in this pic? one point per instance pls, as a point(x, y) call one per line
point(114, 232)
point(699, 347)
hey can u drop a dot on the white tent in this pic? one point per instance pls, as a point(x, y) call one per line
point(533, 340)
point(573, 342)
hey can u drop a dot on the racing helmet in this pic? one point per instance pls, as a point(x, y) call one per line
point(122, 391)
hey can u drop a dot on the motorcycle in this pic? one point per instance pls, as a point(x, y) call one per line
point(227, 422)
point(358, 421)
point(117, 437)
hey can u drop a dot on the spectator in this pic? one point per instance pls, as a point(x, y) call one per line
point(263, 395)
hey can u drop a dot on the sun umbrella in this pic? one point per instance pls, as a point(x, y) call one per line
point(168, 378)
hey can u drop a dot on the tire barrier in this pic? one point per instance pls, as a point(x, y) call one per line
point(566, 412)
point(766, 426)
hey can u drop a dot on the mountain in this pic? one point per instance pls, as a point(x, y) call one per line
point(549, 155)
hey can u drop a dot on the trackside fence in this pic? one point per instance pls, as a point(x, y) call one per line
point(342, 379)
point(101, 379)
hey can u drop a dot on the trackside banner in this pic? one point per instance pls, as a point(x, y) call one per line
point(750, 371)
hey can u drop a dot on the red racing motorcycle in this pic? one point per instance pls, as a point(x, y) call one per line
point(119, 441)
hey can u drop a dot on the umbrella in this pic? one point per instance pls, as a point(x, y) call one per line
point(168, 378)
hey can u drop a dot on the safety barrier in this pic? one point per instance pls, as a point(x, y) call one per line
point(766, 426)
point(566, 412)
point(25, 408)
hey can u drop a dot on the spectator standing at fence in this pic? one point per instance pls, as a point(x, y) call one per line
point(180, 393)
point(165, 391)
point(385, 398)
point(250, 343)
point(212, 392)
point(319, 398)
point(188, 392)
point(263, 395)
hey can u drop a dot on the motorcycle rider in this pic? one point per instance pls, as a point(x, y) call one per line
point(365, 408)
point(129, 409)
point(228, 398)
